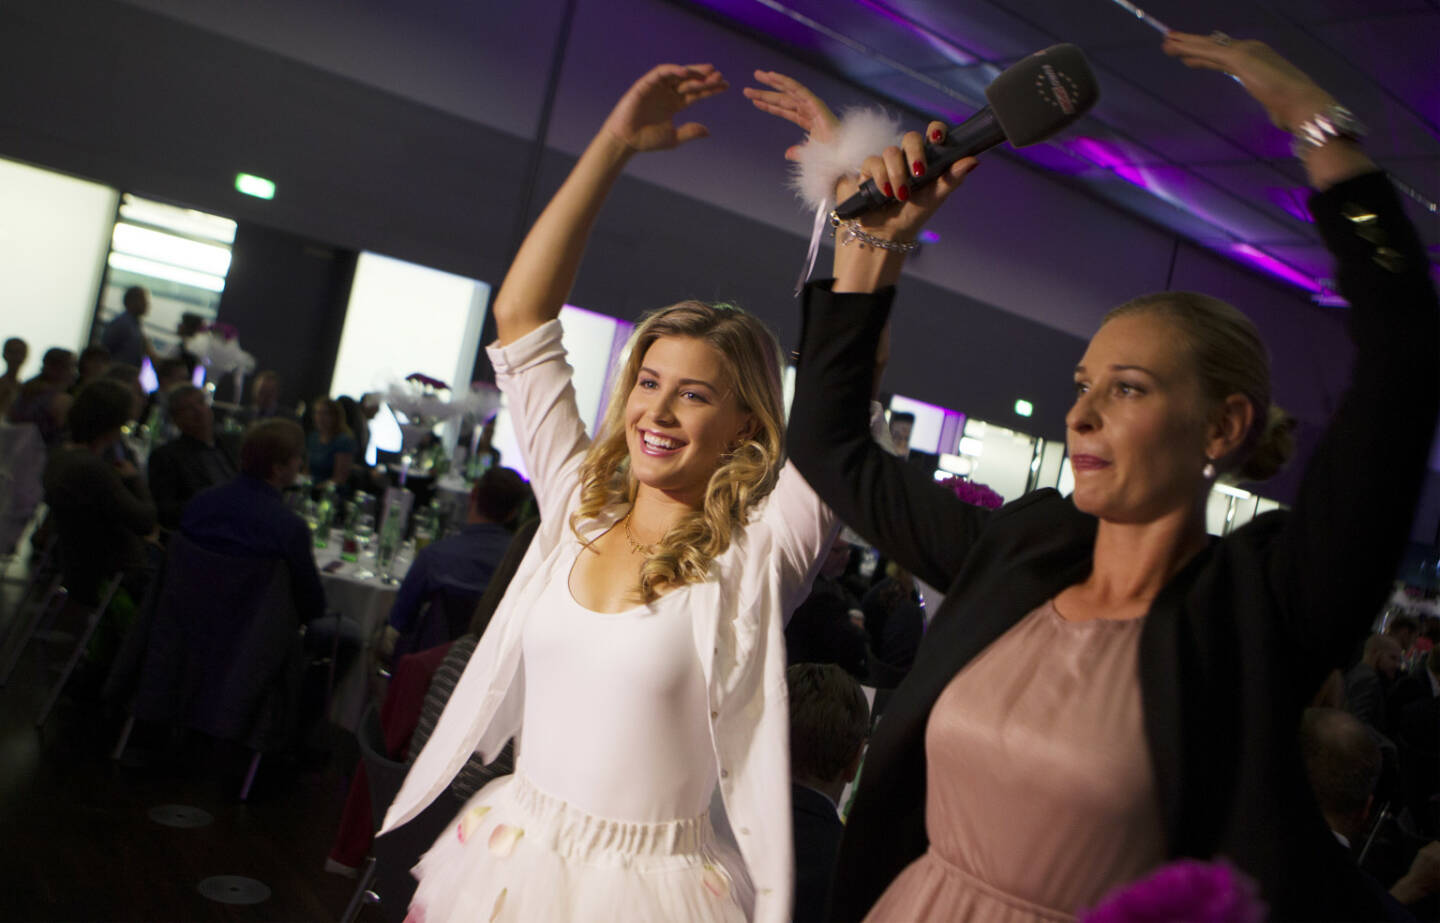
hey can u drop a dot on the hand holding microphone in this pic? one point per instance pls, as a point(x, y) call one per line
point(1032, 100)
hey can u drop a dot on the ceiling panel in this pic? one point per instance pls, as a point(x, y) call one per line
point(1400, 53)
point(1178, 147)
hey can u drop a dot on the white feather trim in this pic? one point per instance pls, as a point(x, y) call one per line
point(820, 166)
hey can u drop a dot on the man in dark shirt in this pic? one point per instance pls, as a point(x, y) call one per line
point(124, 336)
point(98, 500)
point(191, 462)
point(829, 721)
point(466, 559)
point(248, 516)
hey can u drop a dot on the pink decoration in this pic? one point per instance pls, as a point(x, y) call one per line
point(974, 493)
point(1185, 890)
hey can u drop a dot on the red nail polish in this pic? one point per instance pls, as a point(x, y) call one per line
point(935, 135)
point(888, 190)
point(903, 193)
point(918, 168)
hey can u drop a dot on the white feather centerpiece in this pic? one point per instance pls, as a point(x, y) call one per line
point(428, 402)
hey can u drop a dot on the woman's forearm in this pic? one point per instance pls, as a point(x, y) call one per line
point(544, 269)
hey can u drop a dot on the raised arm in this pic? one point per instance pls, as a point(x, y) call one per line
point(844, 344)
point(544, 269)
point(1337, 552)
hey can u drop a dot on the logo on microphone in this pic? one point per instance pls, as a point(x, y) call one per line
point(1057, 89)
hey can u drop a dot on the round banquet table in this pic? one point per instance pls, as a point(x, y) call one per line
point(359, 594)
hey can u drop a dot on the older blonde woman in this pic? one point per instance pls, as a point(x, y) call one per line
point(1105, 687)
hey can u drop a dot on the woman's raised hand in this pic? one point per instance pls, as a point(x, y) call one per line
point(1289, 96)
point(644, 118)
point(792, 101)
point(892, 170)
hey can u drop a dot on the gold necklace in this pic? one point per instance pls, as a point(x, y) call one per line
point(636, 547)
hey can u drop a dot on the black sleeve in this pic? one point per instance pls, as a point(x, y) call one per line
point(924, 527)
point(1333, 561)
point(304, 577)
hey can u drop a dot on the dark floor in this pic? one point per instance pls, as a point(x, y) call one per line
point(78, 843)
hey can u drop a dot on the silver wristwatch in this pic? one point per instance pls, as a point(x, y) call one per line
point(1334, 121)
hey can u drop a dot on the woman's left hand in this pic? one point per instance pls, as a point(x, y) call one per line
point(1287, 93)
point(643, 119)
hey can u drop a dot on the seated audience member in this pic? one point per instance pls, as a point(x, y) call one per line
point(1342, 763)
point(94, 360)
point(191, 462)
point(1405, 629)
point(466, 559)
point(248, 516)
point(16, 351)
point(98, 499)
point(43, 399)
point(129, 376)
point(1417, 734)
point(330, 447)
point(829, 720)
point(1367, 683)
point(894, 622)
point(125, 336)
point(265, 398)
point(823, 629)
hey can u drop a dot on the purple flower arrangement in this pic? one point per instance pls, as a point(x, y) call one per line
point(426, 382)
point(1185, 891)
point(974, 493)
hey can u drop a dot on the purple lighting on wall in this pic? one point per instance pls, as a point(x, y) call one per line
point(1103, 155)
point(1275, 267)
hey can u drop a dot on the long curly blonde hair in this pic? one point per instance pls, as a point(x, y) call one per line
point(750, 356)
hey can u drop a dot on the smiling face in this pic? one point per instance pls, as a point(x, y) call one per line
point(681, 416)
point(1138, 433)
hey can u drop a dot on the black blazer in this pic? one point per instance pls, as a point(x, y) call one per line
point(1235, 644)
point(817, 830)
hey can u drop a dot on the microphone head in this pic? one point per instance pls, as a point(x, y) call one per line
point(1043, 93)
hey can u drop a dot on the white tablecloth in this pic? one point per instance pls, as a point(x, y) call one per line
point(367, 602)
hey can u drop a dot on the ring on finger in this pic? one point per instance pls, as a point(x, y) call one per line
point(1219, 38)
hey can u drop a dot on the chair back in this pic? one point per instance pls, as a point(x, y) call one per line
point(446, 616)
point(224, 653)
point(385, 774)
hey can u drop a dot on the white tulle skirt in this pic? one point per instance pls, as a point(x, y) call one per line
point(515, 853)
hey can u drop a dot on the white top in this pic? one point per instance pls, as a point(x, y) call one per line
point(634, 744)
point(736, 621)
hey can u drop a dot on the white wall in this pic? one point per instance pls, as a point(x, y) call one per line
point(54, 234)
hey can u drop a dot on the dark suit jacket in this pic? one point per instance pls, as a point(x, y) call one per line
point(1234, 645)
point(247, 518)
point(182, 468)
point(1365, 696)
point(817, 829)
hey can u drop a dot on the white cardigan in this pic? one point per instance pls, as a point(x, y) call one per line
point(738, 615)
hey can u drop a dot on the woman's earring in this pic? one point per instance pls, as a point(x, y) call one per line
point(1208, 472)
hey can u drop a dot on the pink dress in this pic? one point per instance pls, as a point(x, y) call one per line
point(1040, 795)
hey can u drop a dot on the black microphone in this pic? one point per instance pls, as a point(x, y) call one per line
point(1031, 100)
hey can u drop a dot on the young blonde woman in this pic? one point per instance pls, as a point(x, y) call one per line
point(640, 646)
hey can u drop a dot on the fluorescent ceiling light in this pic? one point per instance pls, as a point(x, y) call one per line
point(186, 221)
point(1023, 407)
point(167, 248)
point(144, 267)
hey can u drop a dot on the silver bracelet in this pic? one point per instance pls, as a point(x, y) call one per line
point(1334, 121)
point(847, 231)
